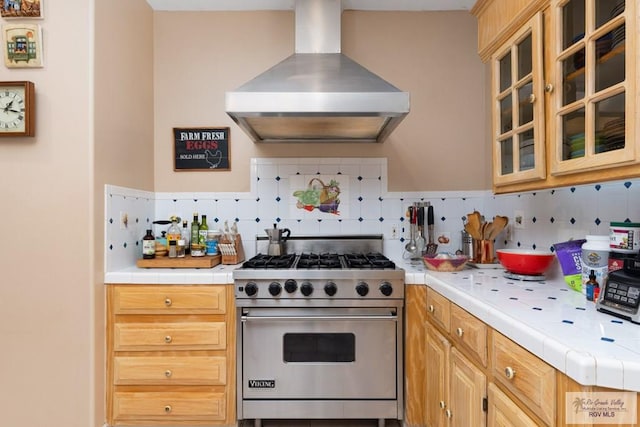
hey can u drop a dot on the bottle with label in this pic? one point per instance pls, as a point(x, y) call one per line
point(195, 232)
point(212, 242)
point(591, 285)
point(173, 248)
point(204, 228)
point(595, 257)
point(173, 233)
point(186, 235)
point(180, 248)
point(148, 246)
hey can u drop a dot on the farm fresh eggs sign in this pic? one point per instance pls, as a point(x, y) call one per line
point(201, 149)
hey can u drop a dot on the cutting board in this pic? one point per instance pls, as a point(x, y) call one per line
point(186, 262)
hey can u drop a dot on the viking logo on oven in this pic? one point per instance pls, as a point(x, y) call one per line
point(262, 383)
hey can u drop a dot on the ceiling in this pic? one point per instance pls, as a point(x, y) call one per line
point(218, 5)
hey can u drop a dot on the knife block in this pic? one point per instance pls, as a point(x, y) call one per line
point(239, 251)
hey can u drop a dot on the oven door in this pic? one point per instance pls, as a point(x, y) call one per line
point(319, 353)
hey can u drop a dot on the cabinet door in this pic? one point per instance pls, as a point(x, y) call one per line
point(503, 412)
point(468, 390)
point(518, 107)
point(436, 378)
point(593, 102)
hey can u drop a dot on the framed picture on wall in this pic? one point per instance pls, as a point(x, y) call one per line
point(205, 149)
point(22, 45)
point(21, 9)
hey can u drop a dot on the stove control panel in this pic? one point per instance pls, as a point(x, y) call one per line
point(319, 289)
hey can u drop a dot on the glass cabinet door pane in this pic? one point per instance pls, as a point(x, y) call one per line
point(610, 124)
point(506, 114)
point(610, 67)
point(525, 57)
point(525, 105)
point(505, 72)
point(573, 78)
point(506, 156)
point(607, 9)
point(573, 22)
point(573, 134)
point(526, 143)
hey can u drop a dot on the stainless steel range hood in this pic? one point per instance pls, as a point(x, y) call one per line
point(317, 94)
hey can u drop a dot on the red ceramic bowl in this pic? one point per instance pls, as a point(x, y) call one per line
point(525, 261)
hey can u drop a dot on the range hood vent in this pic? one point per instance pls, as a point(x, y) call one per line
point(317, 94)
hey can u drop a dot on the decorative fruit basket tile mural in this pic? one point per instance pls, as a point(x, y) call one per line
point(320, 194)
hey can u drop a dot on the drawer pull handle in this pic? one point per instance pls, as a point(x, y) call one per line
point(167, 409)
point(168, 302)
point(509, 372)
point(442, 404)
point(168, 339)
point(459, 332)
point(532, 99)
point(168, 373)
point(431, 308)
point(448, 413)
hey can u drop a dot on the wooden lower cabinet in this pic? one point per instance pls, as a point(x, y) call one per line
point(504, 412)
point(170, 355)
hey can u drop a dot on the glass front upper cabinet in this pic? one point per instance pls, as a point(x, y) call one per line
point(517, 94)
point(591, 99)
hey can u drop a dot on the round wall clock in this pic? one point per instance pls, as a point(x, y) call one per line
point(17, 109)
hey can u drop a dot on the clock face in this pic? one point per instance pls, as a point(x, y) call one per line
point(12, 110)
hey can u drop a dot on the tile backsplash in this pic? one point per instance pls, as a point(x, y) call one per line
point(365, 207)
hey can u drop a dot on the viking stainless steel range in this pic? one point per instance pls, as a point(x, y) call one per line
point(320, 331)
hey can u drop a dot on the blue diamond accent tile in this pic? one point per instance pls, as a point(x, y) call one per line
point(360, 219)
point(552, 220)
point(124, 245)
point(572, 220)
point(552, 249)
point(627, 220)
point(257, 199)
point(533, 246)
point(278, 199)
point(627, 184)
point(380, 199)
point(237, 219)
point(137, 220)
point(533, 194)
point(339, 173)
point(381, 219)
point(533, 220)
point(443, 219)
point(319, 220)
point(360, 199)
point(402, 219)
point(216, 219)
point(137, 244)
point(277, 178)
point(379, 178)
point(237, 200)
point(598, 187)
point(257, 219)
point(598, 221)
point(257, 178)
point(360, 178)
point(110, 247)
point(175, 200)
point(278, 219)
point(518, 244)
point(402, 239)
point(572, 189)
point(110, 220)
point(553, 191)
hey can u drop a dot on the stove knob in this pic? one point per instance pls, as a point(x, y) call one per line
point(275, 288)
point(290, 286)
point(330, 288)
point(362, 288)
point(386, 289)
point(251, 289)
point(306, 288)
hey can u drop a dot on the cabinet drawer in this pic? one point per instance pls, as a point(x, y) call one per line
point(168, 406)
point(438, 309)
point(167, 370)
point(168, 299)
point(470, 333)
point(529, 378)
point(169, 336)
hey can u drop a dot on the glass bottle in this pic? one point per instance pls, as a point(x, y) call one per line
point(148, 246)
point(591, 285)
point(204, 228)
point(174, 232)
point(173, 248)
point(180, 248)
point(186, 236)
point(195, 230)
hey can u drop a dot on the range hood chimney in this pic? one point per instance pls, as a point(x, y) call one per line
point(317, 94)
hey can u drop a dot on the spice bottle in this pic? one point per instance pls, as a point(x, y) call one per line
point(180, 248)
point(148, 246)
point(590, 285)
point(173, 248)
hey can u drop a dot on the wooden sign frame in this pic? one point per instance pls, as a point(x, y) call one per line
point(205, 149)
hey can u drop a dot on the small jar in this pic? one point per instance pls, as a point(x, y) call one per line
point(595, 258)
point(181, 248)
point(173, 248)
point(212, 242)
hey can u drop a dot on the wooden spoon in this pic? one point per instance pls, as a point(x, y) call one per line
point(499, 223)
point(473, 225)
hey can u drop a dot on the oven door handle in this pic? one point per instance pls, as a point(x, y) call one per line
point(245, 318)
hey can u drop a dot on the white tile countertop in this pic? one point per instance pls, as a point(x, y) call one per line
point(555, 323)
point(221, 274)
